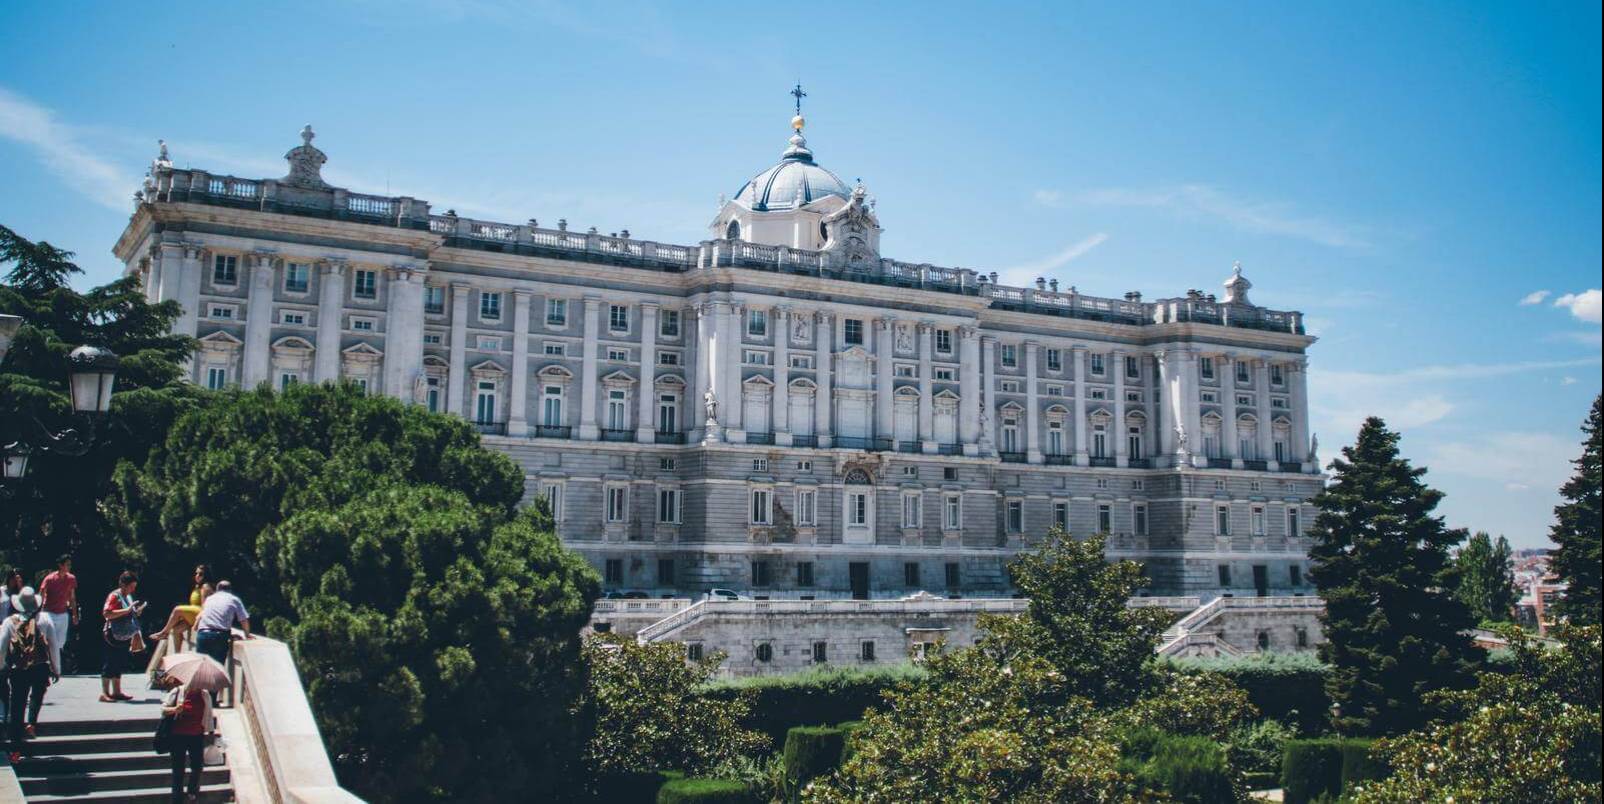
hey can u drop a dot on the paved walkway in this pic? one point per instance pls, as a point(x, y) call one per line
point(76, 698)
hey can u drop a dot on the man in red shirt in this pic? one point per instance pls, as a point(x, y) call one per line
point(59, 592)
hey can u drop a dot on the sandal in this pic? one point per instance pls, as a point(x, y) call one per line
point(121, 697)
point(104, 698)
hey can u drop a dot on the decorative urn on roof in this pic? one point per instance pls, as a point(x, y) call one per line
point(306, 163)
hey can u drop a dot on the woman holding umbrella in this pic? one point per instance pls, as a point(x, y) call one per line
point(190, 676)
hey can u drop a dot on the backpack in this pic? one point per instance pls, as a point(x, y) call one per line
point(27, 647)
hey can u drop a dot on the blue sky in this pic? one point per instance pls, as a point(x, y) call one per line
point(1406, 174)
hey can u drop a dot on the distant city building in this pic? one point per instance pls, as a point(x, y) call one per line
point(777, 409)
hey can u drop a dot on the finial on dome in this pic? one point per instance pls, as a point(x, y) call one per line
point(1236, 288)
point(306, 163)
point(307, 134)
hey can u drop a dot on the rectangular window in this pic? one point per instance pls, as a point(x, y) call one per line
point(1241, 371)
point(1097, 363)
point(617, 410)
point(1258, 520)
point(365, 284)
point(1222, 520)
point(1055, 390)
point(668, 324)
point(433, 339)
point(1133, 396)
point(665, 464)
point(668, 358)
point(853, 331)
point(755, 357)
point(434, 299)
point(287, 379)
point(821, 652)
point(1139, 518)
point(907, 370)
point(615, 571)
point(1293, 529)
point(1105, 519)
point(552, 406)
point(1244, 399)
point(222, 311)
point(485, 403)
point(556, 349)
point(910, 574)
point(1008, 386)
point(760, 506)
point(1061, 515)
point(1016, 516)
point(804, 466)
point(618, 318)
point(866, 650)
point(553, 494)
point(1224, 572)
point(944, 341)
point(668, 506)
point(954, 575)
point(431, 394)
point(1209, 396)
point(757, 323)
point(1205, 367)
point(665, 572)
point(489, 306)
point(804, 574)
point(760, 464)
point(1010, 355)
point(292, 318)
point(760, 573)
point(911, 510)
point(806, 505)
point(943, 374)
point(362, 325)
point(1055, 360)
point(225, 270)
point(802, 362)
point(617, 503)
point(949, 473)
point(952, 516)
point(618, 355)
point(1276, 376)
point(1098, 393)
point(857, 508)
point(216, 378)
point(486, 343)
point(1133, 367)
point(556, 312)
point(297, 277)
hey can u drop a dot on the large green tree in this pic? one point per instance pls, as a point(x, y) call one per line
point(1394, 629)
point(436, 624)
point(1577, 524)
point(1486, 577)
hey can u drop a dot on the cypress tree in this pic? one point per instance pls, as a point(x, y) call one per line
point(1394, 629)
point(1486, 577)
point(1576, 530)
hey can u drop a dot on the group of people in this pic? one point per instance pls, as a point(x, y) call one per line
point(35, 627)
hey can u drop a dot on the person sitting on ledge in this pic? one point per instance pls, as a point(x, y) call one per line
point(182, 619)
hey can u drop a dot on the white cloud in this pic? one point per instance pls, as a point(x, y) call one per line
point(1567, 381)
point(1048, 198)
point(1587, 306)
point(1521, 460)
point(36, 127)
point(1200, 200)
point(1026, 273)
point(1535, 297)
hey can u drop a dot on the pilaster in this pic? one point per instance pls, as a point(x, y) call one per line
point(1082, 391)
point(927, 402)
point(1228, 414)
point(1122, 450)
point(1165, 394)
point(969, 392)
point(780, 419)
point(1032, 412)
point(646, 388)
point(518, 396)
point(457, 381)
point(588, 431)
point(1298, 383)
point(258, 321)
point(330, 305)
point(988, 394)
point(1266, 430)
point(823, 404)
point(883, 364)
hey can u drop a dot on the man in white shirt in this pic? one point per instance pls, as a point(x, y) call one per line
point(219, 614)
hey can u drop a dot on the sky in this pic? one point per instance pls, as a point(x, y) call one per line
point(1421, 180)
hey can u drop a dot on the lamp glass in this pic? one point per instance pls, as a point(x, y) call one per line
point(15, 458)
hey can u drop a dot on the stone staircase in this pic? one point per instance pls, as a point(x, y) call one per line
point(90, 751)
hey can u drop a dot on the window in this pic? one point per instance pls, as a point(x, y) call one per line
point(665, 464)
point(757, 323)
point(760, 506)
point(225, 270)
point(1303, 637)
point(216, 378)
point(1061, 515)
point(821, 652)
point(806, 507)
point(1098, 393)
point(1264, 640)
point(553, 495)
point(668, 414)
point(760, 464)
point(1055, 360)
point(1010, 435)
point(1276, 375)
point(1105, 519)
point(1055, 438)
point(693, 651)
point(434, 299)
point(551, 406)
point(1279, 402)
point(433, 339)
point(765, 651)
point(755, 357)
point(1010, 355)
point(1099, 441)
point(804, 574)
point(1008, 386)
point(486, 343)
point(665, 572)
point(1241, 371)
point(1222, 520)
point(804, 466)
point(222, 311)
point(556, 312)
point(1224, 572)
point(1139, 519)
point(911, 510)
point(362, 324)
point(617, 503)
point(361, 384)
point(1133, 367)
point(668, 324)
point(485, 403)
point(1258, 520)
point(618, 318)
point(431, 394)
point(907, 370)
point(1209, 396)
point(853, 331)
point(866, 650)
point(1055, 390)
point(802, 362)
point(287, 379)
point(1133, 396)
point(1138, 484)
point(944, 341)
point(489, 306)
point(668, 506)
point(614, 571)
point(617, 409)
point(954, 575)
point(1293, 530)
point(1280, 451)
point(1097, 363)
point(297, 277)
point(668, 358)
point(1133, 442)
point(910, 574)
point(760, 573)
point(949, 473)
point(1244, 399)
point(1016, 516)
point(365, 284)
point(1295, 574)
point(943, 374)
point(952, 512)
point(293, 318)
point(857, 508)
point(910, 471)
point(1205, 367)
point(556, 349)
point(618, 355)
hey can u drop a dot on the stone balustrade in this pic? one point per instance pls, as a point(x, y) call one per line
point(284, 737)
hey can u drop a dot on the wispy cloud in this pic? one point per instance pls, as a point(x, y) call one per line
point(1201, 200)
point(1535, 297)
point(1025, 273)
point(1048, 198)
point(1585, 306)
point(59, 148)
point(1535, 459)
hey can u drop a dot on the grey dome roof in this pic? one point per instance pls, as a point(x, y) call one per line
point(795, 176)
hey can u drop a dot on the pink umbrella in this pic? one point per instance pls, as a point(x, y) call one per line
point(196, 670)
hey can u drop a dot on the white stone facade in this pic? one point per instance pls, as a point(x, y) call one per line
point(777, 409)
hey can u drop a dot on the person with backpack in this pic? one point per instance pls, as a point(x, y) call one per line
point(31, 656)
point(12, 587)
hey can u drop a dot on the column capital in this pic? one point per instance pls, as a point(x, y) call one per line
point(649, 306)
point(1031, 347)
point(1080, 347)
point(821, 316)
point(926, 327)
point(523, 294)
point(460, 287)
point(883, 323)
point(782, 311)
point(967, 331)
point(592, 302)
point(988, 340)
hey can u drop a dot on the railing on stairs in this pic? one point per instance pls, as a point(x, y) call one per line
point(289, 750)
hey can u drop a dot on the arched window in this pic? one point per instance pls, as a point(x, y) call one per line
point(765, 652)
point(1264, 640)
point(824, 233)
point(733, 231)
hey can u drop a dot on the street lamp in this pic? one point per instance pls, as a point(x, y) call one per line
point(91, 376)
point(92, 372)
point(14, 457)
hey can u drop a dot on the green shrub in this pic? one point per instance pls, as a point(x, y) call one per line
point(632, 788)
point(811, 697)
point(848, 729)
point(1257, 747)
point(1191, 769)
point(706, 791)
point(1360, 765)
point(810, 752)
point(1326, 767)
point(1289, 687)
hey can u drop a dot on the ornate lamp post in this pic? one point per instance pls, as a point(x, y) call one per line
point(91, 375)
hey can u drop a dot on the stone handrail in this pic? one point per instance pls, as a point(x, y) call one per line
point(634, 606)
point(707, 608)
point(284, 736)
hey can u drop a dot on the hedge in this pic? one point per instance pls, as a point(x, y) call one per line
point(706, 791)
point(1311, 769)
point(1289, 687)
point(1188, 768)
point(811, 752)
point(632, 788)
point(811, 697)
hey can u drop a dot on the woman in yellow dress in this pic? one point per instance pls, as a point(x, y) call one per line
point(183, 617)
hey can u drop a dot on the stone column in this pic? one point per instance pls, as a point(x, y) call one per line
point(780, 420)
point(646, 388)
point(696, 406)
point(988, 392)
point(518, 396)
point(258, 322)
point(1032, 414)
point(1298, 382)
point(1187, 404)
point(153, 276)
point(1266, 432)
point(969, 389)
point(927, 402)
point(458, 380)
point(824, 403)
point(1122, 450)
point(1155, 414)
point(728, 363)
point(1166, 408)
point(883, 365)
point(1083, 425)
point(171, 257)
point(183, 286)
point(403, 333)
point(1228, 436)
point(330, 303)
point(588, 431)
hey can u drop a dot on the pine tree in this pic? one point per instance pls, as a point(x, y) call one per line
point(1576, 529)
point(1486, 577)
point(1393, 628)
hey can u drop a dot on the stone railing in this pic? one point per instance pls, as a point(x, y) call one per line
point(763, 608)
point(662, 605)
point(284, 737)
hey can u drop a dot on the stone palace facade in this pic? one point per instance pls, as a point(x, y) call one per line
point(777, 410)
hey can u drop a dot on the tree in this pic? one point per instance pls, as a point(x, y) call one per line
point(1486, 578)
point(435, 624)
point(1393, 627)
point(649, 716)
point(1576, 529)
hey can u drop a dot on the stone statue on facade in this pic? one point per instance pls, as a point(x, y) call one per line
point(1314, 449)
point(1180, 441)
point(420, 389)
point(710, 404)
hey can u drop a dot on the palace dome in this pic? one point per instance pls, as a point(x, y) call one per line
point(795, 182)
